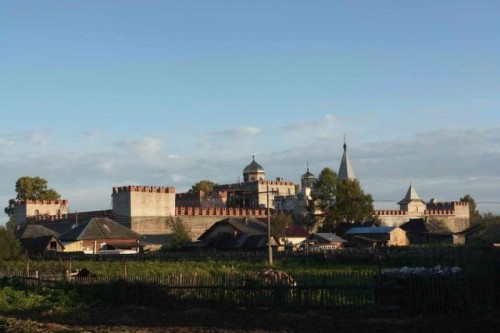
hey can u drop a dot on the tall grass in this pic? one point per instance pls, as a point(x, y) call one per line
point(162, 268)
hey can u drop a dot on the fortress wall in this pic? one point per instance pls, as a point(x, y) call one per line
point(450, 223)
point(201, 199)
point(391, 217)
point(144, 201)
point(25, 209)
point(221, 211)
point(158, 225)
point(393, 220)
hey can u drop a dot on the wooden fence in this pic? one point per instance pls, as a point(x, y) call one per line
point(361, 291)
point(387, 256)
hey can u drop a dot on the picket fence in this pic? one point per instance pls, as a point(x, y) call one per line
point(340, 290)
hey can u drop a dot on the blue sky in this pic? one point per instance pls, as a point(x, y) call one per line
point(96, 94)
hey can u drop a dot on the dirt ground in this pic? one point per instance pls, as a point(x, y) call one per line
point(144, 320)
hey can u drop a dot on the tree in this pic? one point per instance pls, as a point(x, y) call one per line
point(181, 233)
point(353, 205)
point(339, 201)
point(279, 223)
point(34, 188)
point(31, 188)
point(323, 198)
point(487, 231)
point(10, 247)
point(203, 185)
point(474, 215)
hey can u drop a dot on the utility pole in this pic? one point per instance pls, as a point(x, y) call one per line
point(269, 248)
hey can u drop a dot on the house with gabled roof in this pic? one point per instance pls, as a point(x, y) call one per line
point(295, 234)
point(33, 231)
point(321, 241)
point(37, 239)
point(41, 245)
point(234, 226)
point(101, 235)
point(420, 232)
point(376, 236)
point(242, 233)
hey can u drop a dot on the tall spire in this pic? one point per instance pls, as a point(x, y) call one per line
point(346, 171)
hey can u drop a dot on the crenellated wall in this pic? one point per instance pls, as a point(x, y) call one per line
point(74, 217)
point(25, 209)
point(201, 199)
point(218, 211)
point(441, 216)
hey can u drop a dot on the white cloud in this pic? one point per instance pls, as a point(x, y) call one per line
point(146, 146)
point(239, 132)
point(93, 133)
point(6, 143)
point(38, 137)
point(326, 121)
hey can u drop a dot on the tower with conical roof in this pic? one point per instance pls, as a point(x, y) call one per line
point(254, 171)
point(412, 201)
point(346, 171)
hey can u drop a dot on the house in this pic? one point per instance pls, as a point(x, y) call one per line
point(376, 236)
point(295, 234)
point(322, 241)
point(41, 245)
point(420, 232)
point(101, 235)
point(37, 239)
point(27, 231)
point(243, 242)
point(234, 226)
point(237, 233)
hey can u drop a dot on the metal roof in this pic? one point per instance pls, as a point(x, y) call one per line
point(346, 170)
point(253, 167)
point(34, 231)
point(369, 230)
point(99, 228)
point(328, 236)
point(411, 195)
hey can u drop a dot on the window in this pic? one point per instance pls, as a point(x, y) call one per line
point(53, 245)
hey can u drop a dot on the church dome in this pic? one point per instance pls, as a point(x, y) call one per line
point(253, 171)
point(307, 179)
point(307, 175)
point(253, 167)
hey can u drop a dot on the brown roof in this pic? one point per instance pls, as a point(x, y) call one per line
point(296, 230)
point(99, 228)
